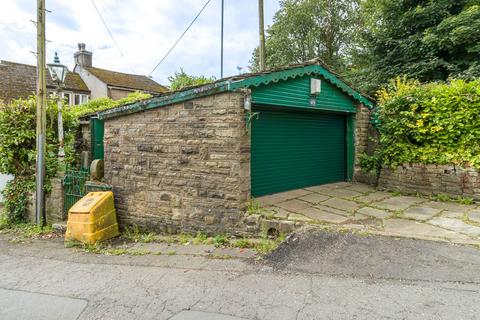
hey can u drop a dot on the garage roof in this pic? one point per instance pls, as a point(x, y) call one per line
point(249, 80)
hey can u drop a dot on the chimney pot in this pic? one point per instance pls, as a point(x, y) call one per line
point(83, 57)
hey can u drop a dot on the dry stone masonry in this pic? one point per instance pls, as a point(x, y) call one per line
point(363, 131)
point(182, 167)
point(432, 179)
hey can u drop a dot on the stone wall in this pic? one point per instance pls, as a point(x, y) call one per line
point(83, 139)
point(53, 203)
point(117, 93)
point(363, 144)
point(183, 167)
point(431, 180)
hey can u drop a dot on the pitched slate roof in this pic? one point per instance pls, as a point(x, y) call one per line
point(125, 80)
point(248, 80)
point(18, 80)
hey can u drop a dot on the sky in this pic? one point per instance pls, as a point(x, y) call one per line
point(144, 29)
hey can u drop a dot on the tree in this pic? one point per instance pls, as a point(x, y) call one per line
point(181, 79)
point(307, 29)
point(422, 39)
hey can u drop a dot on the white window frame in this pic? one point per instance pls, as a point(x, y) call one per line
point(70, 97)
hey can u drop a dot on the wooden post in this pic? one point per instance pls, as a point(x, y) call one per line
point(40, 214)
point(221, 43)
point(262, 35)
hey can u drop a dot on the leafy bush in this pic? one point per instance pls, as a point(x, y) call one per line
point(101, 104)
point(18, 144)
point(16, 199)
point(434, 123)
point(181, 79)
point(372, 163)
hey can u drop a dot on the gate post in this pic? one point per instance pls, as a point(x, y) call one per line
point(54, 202)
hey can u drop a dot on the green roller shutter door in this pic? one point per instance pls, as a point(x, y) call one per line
point(295, 149)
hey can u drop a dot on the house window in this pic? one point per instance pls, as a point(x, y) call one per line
point(80, 98)
point(68, 97)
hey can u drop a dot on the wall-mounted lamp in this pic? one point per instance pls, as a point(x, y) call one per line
point(247, 102)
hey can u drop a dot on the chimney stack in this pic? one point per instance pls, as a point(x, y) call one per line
point(83, 57)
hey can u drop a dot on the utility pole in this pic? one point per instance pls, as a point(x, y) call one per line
point(221, 44)
point(261, 30)
point(40, 216)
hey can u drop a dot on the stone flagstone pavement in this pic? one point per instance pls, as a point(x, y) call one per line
point(360, 207)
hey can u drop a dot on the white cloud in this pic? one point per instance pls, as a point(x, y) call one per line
point(144, 30)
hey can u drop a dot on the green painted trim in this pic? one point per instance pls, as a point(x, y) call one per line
point(229, 85)
point(160, 101)
point(299, 72)
point(350, 137)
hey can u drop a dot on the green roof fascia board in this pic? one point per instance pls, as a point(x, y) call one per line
point(298, 72)
point(229, 85)
point(160, 101)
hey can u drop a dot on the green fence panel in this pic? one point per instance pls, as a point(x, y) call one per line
point(74, 185)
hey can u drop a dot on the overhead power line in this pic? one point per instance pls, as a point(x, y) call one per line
point(180, 38)
point(111, 35)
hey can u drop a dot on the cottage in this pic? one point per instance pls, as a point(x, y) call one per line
point(190, 160)
point(108, 83)
point(18, 80)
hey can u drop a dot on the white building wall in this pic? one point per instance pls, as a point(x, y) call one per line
point(4, 178)
point(98, 89)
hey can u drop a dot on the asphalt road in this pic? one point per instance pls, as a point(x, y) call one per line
point(314, 275)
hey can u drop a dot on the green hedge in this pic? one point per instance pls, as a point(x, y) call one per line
point(435, 123)
point(18, 144)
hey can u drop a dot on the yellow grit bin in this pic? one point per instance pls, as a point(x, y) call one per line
point(93, 218)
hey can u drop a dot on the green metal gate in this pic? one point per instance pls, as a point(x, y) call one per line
point(293, 149)
point(74, 186)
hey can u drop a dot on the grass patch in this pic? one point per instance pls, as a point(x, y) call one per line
point(16, 240)
point(138, 252)
point(99, 248)
point(267, 245)
point(243, 243)
point(254, 207)
point(185, 238)
point(115, 252)
point(133, 233)
point(440, 198)
point(26, 230)
point(220, 240)
point(96, 248)
point(200, 238)
point(465, 200)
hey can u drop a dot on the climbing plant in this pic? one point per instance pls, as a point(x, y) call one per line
point(18, 144)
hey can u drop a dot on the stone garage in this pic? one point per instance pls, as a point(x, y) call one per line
point(190, 160)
